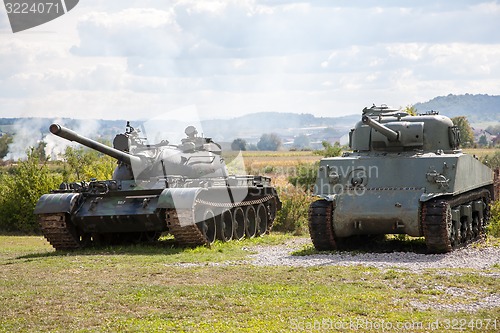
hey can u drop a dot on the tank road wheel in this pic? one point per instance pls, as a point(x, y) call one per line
point(455, 237)
point(262, 219)
point(321, 226)
point(207, 223)
point(251, 221)
point(225, 226)
point(239, 223)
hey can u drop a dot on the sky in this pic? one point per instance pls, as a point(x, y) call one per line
point(140, 59)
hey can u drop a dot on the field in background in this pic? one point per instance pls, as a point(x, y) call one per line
point(279, 163)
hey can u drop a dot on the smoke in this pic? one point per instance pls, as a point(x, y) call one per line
point(56, 146)
point(30, 132)
point(27, 135)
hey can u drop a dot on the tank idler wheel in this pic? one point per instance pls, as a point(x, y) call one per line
point(262, 219)
point(239, 223)
point(250, 222)
point(207, 224)
point(225, 225)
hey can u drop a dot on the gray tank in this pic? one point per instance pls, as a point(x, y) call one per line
point(405, 175)
point(184, 189)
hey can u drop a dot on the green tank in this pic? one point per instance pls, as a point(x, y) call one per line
point(405, 175)
point(185, 190)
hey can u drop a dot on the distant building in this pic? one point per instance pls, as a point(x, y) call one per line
point(488, 137)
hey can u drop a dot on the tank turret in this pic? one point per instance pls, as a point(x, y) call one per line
point(194, 157)
point(384, 129)
point(70, 135)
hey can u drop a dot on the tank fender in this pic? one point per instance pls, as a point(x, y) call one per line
point(179, 198)
point(329, 197)
point(56, 203)
point(429, 196)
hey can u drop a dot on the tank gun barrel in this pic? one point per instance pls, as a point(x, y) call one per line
point(70, 135)
point(389, 133)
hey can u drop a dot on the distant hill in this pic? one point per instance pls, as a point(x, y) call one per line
point(477, 108)
point(286, 124)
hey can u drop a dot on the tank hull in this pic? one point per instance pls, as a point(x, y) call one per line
point(375, 194)
point(372, 194)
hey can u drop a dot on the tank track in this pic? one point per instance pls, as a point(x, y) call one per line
point(321, 226)
point(191, 235)
point(437, 221)
point(58, 232)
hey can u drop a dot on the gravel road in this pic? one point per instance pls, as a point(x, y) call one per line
point(479, 257)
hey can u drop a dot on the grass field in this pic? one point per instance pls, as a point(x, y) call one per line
point(164, 289)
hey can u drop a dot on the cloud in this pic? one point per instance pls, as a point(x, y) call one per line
point(130, 32)
point(132, 59)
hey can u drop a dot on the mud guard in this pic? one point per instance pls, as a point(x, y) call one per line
point(179, 198)
point(56, 203)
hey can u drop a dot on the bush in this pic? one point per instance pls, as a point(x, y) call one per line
point(293, 214)
point(20, 191)
point(84, 164)
point(494, 226)
point(329, 149)
point(305, 176)
point(493, 160)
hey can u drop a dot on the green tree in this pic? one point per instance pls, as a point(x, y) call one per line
point(494, 225)
point(84, 164)
point(466, 133)
point(5, 140)
point(411, 110)
point(482, 140)
point(20, 191)
point(40, 151)
point(269, 142)
point(239, 144)
point(329, 149)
